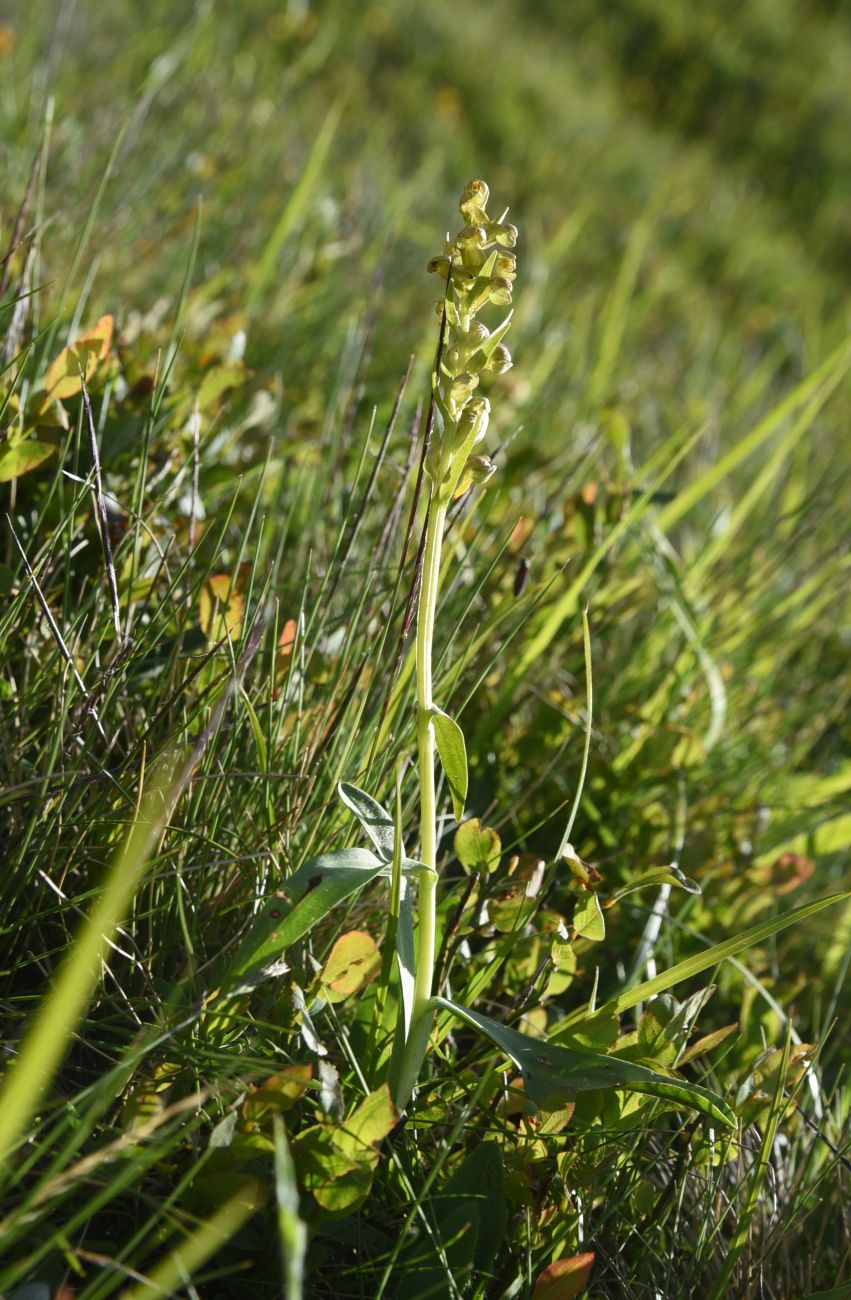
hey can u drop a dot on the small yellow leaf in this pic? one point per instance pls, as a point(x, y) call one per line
point(20, 457)
point(477, 847)
point(278, 1094)
point(91, 348)
point(221, 609)
point(352, 963)
point(369, 1124)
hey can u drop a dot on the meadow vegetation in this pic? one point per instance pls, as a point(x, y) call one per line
point(486, 937)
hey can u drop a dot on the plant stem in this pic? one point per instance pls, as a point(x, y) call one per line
point(427, 905)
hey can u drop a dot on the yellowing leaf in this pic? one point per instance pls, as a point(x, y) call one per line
point(91, 348)
point(370, 1123)
point(352, 963)
point(20, 457)
point(564, 1278)
point(217, 381)
point(478, 847)
point(277, 1094)
point(588, 919)
point(221, 609)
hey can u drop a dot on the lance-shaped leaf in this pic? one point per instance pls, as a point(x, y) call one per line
point(553, 1074)
point(669, 875)
point(378, 825)
point(375, 820)
point(453, 756)
point(307, 896)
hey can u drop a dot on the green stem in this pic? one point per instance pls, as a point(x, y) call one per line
point(427, 906)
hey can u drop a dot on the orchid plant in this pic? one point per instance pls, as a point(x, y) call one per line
point(478, 268)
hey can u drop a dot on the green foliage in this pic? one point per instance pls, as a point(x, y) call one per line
point(205, 963)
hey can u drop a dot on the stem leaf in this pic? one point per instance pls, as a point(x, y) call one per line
point(375, 819)
point(553, 1074)
point(453, 756)
point(306, 897)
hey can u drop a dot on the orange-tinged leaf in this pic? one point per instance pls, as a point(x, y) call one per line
point(277, 1094)
point(352, 963)
point(91, 348)
point(564, 1278)
point(707, 1043)
point(285, 647)
point(221, 609)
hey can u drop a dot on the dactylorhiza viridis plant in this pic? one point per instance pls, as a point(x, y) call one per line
point(478, 269)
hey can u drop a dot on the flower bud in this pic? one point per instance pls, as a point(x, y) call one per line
point(499, 291)
point(460, 389)
point(439, 266)
point(499, 360)
point(473, 420)
point(474, 200)
point(502, 233)
point(476, 335)
point(479, 469)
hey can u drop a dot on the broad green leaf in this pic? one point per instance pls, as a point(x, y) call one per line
point(307, 896)
point(478, 1180)
point(588, 919)
point(353, 961)
point(20, 457)
point(564, 1279)
point(218, 381)
point(453, 756)
point(705, 960)
point(554, 1074)
point(378, 824)
point(336, 1161)
point(477, 847)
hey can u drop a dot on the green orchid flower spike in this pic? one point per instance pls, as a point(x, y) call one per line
point(478, 267)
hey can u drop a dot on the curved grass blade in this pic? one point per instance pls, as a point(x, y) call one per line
point(702, 961)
